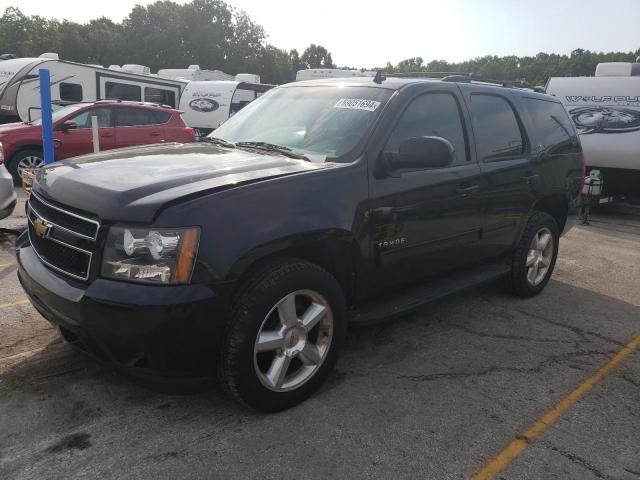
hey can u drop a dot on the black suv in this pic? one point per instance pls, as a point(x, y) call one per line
point(320, 205)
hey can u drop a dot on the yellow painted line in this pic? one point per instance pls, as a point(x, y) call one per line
point(13, 304)
point(522, 441)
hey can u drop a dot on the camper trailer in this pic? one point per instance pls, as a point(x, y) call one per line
point(193, 73)
point(606, 111)
point(314, 73)
point(206, 105)
point(75, 82)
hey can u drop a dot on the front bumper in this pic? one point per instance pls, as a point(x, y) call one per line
point(167, 336)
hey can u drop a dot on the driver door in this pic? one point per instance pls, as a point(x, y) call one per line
point(426, 221)
point(79, 140)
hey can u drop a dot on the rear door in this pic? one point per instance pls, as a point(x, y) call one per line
point(137, 126)
point(426, 221)
point(79, 141)
point(503, 152)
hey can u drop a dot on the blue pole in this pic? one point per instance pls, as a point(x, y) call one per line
point(46, 115)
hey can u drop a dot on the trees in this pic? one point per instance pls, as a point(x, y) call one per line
point(214, 35)
point(316, 56)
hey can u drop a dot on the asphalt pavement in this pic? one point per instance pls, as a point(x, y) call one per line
point(435, 395)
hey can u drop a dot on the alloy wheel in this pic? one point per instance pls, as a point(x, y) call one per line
point(293, 340)
point(540, 256)
point(30, 162)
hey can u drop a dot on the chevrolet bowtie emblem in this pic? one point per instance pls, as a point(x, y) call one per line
point(41, 227)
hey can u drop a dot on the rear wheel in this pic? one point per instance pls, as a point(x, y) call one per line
point(535, 257)
point(25, 159)
point(286, 328)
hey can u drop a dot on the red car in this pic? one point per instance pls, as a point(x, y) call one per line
point(122, 124)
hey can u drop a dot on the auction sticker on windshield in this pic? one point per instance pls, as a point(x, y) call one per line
point(357, 104)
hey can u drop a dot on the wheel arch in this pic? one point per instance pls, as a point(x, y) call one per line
point(555, 205)
point(336, 251)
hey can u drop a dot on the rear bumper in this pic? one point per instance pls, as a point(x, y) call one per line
point(166, 336)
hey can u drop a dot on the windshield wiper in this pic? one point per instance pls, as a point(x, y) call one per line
point(272, 147)
point(219, 141)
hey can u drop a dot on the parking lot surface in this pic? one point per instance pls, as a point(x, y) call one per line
point(434, 395)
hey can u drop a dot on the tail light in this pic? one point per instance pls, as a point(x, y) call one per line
point(1, 154)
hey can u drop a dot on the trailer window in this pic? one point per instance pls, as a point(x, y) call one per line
point(123, 91)
point(158, 95)
point(71, 92)
point(498, 134)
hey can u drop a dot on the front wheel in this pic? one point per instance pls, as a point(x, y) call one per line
point(286, 328)
point(29, 160)
point(535, 256)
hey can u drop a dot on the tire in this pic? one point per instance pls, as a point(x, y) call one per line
point(262, 309)
point(31, 157)
point(524, 279)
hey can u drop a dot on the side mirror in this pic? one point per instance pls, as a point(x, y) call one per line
point(420, 152)
point(68, 125)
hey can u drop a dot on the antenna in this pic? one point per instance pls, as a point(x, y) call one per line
point(380, 77)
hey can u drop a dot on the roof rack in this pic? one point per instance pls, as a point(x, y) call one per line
point(462, 77)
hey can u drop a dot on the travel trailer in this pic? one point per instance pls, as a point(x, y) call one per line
point(193, 73)
point(75, 82)
point(606, 111)
point(207, 104)
point(313, 73)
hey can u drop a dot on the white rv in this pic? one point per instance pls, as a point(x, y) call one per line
point(76, 82)
point(193, 73)
point(206, 105)
point(313, 73)
point(606, 112)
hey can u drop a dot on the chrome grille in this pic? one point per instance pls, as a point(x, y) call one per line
point(63, 240)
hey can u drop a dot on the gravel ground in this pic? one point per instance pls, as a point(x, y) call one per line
point(431, 396)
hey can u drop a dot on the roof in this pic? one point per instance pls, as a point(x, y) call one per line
point(395, 83)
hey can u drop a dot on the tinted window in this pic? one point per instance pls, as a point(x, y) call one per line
point(553, 126)
point(71, 92)
point(157, 95)
point(130, 117)
point(83, 120)
point(122, 91)
point(433, 114)
point(497, 132)
point(162, 117)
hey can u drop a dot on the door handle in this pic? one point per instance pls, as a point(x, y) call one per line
point(106, 135)
point(464, 190)
point(155, 134)
point(529, 176)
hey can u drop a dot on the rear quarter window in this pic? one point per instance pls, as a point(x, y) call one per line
point(552, 123)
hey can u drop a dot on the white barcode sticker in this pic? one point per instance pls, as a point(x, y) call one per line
point(357, 104)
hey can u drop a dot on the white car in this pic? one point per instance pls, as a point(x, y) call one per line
point(8, 195)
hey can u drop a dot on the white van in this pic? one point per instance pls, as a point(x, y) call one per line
point(76, 82)
point(606, 112)
point(206, 105)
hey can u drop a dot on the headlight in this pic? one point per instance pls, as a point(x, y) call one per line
point(159, 255)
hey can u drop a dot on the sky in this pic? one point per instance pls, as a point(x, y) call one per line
point(365, 34)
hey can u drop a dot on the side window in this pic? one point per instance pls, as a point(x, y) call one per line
point(123, 91)
point(158, 95)
point(131, 117)
point(497, 131)
point(83, 120)
point(432, 114)
point(71, 92)
point(162, 117)
point(553, 126)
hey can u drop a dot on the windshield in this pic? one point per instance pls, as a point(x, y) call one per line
point(323, 123)
point(58, 114)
